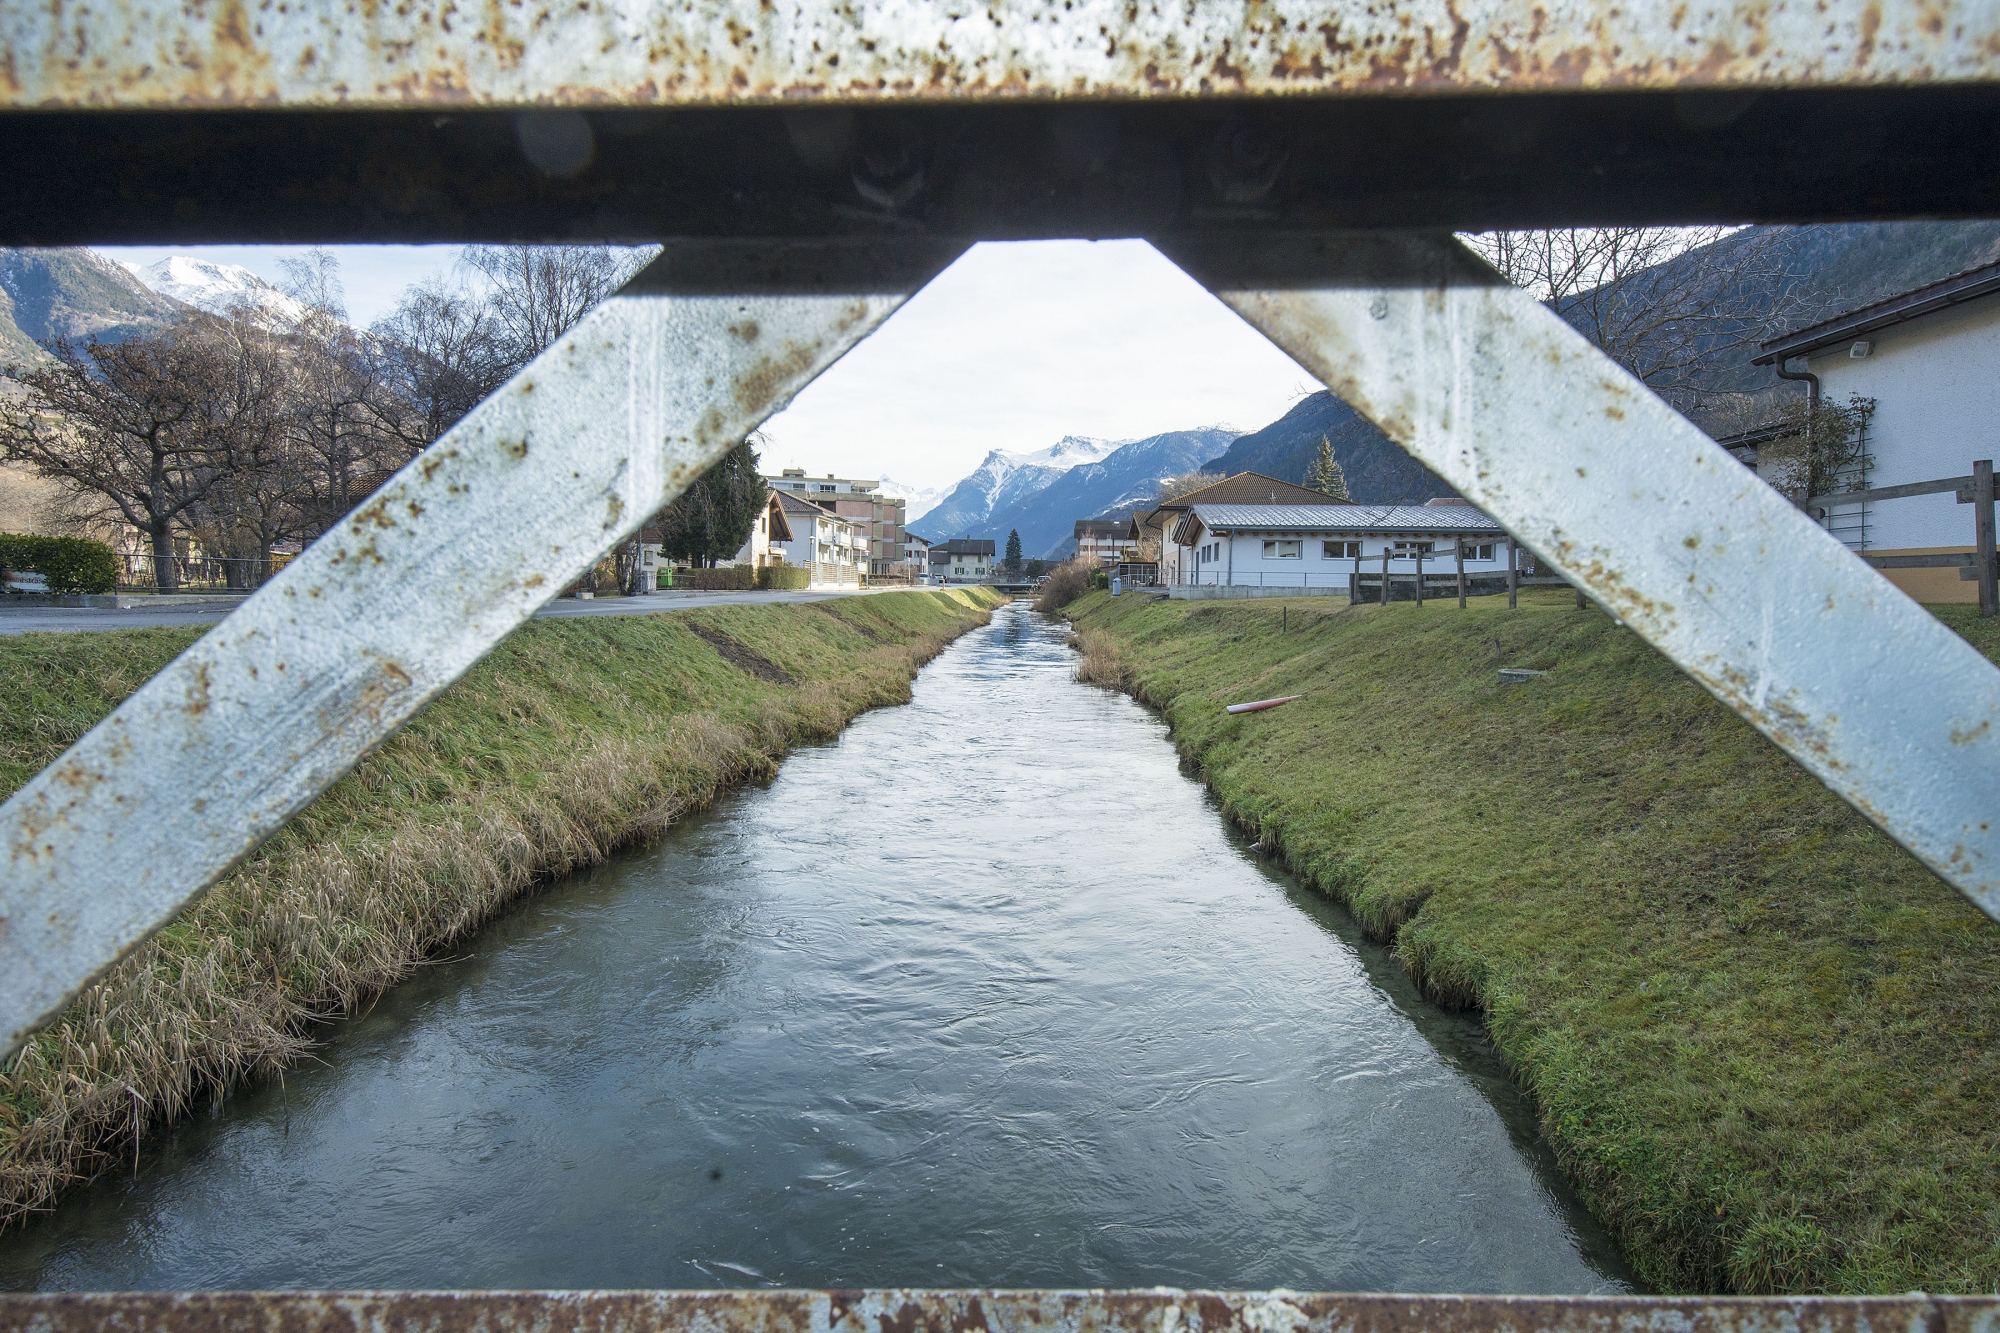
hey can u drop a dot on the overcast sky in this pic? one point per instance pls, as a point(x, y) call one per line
point(1011, 348)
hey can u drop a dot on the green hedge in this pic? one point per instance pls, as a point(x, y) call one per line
point(784, 578)
point(70, 564)
point(730, 578)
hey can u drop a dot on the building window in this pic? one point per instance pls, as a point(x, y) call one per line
point(1412, 548)
point(1281, 550)
point(828, 490)
point(1339, 550)
point(1479, 550)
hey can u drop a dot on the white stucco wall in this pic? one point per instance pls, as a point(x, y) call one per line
point(1936, 382)
point(1241, 561)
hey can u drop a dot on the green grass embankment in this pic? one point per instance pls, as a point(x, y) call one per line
point(1760, 1035)
point(573, 737)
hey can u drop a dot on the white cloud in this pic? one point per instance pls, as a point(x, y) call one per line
point(1019, 344)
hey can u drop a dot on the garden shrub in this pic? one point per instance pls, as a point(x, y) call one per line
point(70, 564)
point(784, 578)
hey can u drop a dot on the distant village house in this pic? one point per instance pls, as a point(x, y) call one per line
point(963, 560)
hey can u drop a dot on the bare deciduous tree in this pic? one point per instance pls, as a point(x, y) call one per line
point(255, 503)
point(442, 352)
point(539, 291)
point(1675, 306)
point(146, 425)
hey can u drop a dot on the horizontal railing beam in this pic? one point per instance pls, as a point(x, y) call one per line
point(1156, 1310)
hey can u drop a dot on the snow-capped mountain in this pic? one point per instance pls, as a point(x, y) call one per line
point(1068, 452)
point(1003, 480)
point(220, 289)
point(917, 500)
point(71, 293)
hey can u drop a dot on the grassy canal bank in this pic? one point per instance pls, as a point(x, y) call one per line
point(573, 737)
point(1759, 1035)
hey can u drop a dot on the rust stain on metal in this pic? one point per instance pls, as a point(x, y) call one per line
point(920, 1311)
point(602, 53)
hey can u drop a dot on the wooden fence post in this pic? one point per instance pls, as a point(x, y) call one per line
point(1458, 553)
point(1513, 574)
point(1354, 584)
point(1420, 574)
point(1385, 573)
point(1982, 530)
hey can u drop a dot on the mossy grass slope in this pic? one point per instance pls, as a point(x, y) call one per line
point(1761, 1036)
point(573, 737)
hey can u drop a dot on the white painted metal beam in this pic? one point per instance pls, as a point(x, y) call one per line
point(1599, 477)
point(180, 54)
point(513, 504)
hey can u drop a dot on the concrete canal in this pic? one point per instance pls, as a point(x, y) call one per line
point(985, 993)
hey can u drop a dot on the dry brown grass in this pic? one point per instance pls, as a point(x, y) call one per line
point(1100, 663)
point(574, 738)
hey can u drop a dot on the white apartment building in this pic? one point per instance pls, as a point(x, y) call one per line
point(823, 542)
point(860, 501)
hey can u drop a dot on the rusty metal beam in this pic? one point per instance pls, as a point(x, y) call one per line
point(220, 53)
point(518, 500)
point(1664, 529)
point(1159, 1310)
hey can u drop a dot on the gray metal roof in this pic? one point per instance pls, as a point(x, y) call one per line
point(1346, 518)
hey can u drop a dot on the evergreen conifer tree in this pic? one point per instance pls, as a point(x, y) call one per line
point(1013, 560)
point(1325, 475)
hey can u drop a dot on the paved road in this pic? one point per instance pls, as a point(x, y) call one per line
point(63, 620)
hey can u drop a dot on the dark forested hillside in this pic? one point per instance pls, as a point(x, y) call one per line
point(1378, 471)
point(47, 294)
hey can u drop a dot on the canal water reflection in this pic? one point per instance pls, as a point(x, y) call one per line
point(985, 993)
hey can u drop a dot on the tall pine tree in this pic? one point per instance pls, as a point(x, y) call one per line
point(712, 518)
point(1013, 561)
point(1325, 475)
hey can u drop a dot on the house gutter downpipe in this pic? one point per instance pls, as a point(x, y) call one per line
point(1812, 405)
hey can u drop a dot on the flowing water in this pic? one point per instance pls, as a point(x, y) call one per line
point(984, 993)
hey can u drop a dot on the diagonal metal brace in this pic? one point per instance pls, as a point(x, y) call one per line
point(517, 501)
point(1594, 473)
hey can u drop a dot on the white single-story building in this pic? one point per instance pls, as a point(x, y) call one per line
point(1930, 358)
point(1324, 546)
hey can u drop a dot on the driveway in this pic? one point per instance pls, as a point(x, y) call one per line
point(64, 620)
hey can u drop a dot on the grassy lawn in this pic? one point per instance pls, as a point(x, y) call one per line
point(573, 737)
point(1759, 1034)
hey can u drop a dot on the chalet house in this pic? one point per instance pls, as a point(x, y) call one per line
point(768, 536)
point(1930, 358)
point(1150, 532)
point(962, 560)
point(1323, 546)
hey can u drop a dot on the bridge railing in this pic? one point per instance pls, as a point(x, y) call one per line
point(813, 165)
